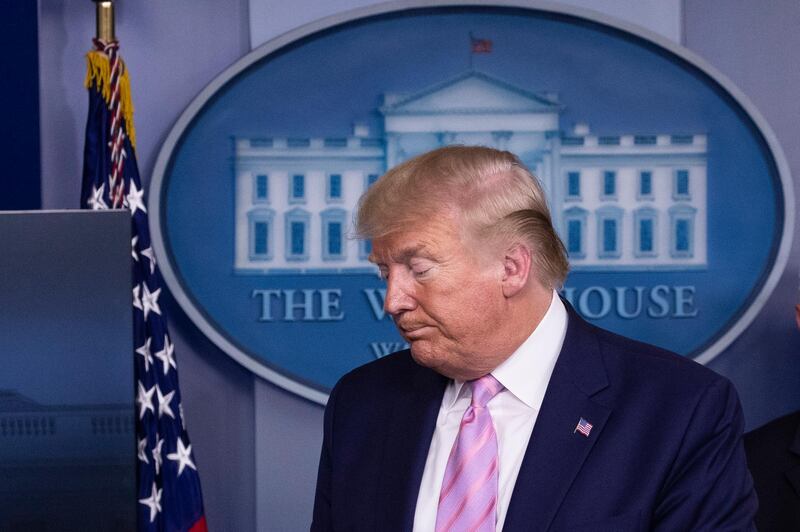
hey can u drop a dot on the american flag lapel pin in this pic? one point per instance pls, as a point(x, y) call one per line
point(584, 427)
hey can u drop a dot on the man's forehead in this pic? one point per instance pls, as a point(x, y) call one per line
point(398, 246)
point(418, 239)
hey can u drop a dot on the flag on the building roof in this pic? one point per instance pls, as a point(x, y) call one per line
point(480, 46)
point(168, 486)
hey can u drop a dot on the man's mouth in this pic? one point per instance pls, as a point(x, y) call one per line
point(411, 332)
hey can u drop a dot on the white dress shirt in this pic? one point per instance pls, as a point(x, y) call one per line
point(525, 375)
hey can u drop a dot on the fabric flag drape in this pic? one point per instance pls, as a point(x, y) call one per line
point(168, 485)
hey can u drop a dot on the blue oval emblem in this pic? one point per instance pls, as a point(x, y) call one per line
point(667, 187)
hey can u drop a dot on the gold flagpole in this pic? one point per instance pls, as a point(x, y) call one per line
point(105, 20)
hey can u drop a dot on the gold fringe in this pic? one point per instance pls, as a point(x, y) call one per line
point(98, 75)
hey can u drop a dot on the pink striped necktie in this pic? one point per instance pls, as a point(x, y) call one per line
point(468, 499)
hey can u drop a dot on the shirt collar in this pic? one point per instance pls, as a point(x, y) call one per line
point(527, 371)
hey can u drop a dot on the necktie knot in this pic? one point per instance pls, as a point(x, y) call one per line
point(484, 389)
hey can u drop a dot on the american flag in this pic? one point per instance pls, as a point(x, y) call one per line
point(480, 46)
point(168, 486)
point(584, 427)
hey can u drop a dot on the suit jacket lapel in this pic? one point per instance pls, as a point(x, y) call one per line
point(556, 451)
point(408, 439)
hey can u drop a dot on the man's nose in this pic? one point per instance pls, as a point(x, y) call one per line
point(398, 294)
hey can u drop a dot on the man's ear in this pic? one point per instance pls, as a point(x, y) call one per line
point(517, 263)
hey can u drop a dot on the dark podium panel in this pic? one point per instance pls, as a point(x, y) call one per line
point(67, 438)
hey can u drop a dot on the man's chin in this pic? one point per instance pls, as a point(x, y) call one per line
point(423, 355)
point(429, 358)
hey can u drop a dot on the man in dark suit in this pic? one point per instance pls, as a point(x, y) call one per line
point(509, 412)
point(773, 455)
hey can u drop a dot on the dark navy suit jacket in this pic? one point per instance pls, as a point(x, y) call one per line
point(773, 454)
point(665, 451)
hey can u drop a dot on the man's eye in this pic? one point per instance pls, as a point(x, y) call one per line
point(419, 272)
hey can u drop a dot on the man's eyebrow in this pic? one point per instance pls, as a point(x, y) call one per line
point(404, 254)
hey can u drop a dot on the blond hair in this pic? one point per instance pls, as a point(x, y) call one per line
point(493, 193)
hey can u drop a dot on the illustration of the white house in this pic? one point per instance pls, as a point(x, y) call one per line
point(633, 201)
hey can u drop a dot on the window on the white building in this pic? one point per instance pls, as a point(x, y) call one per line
point(298, 238)
point(609, 184)
point(609, 236)
point(682, 231)
point(297, 234)
point(573, 185)
point(261, 189)
point(682, 228)
point(682, 139)
point(574, 236)
point(333, 240)
point(334, 246)
point(260, 234)
point(260, 239)
point(608, 140)
point(645, 232)
point(645, 236)
point(609, 225)
point(297, 191)
point(681, 188)
point(371, 178)
point(334, 187)
point(575, 229)
point(645, 184)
